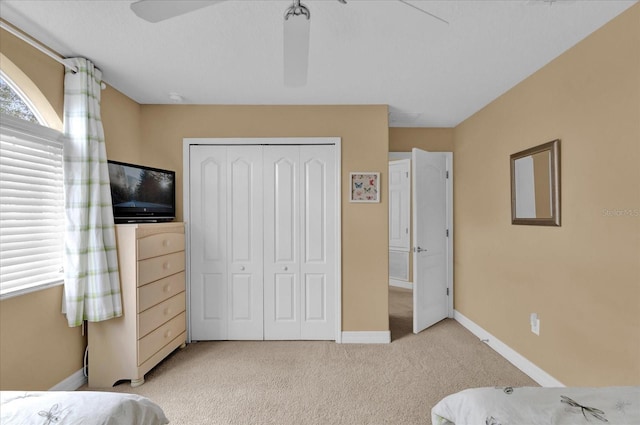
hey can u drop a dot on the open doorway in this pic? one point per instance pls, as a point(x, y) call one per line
point(400, 312)
point(420, 238)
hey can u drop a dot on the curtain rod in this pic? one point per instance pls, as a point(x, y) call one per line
point(37, 45)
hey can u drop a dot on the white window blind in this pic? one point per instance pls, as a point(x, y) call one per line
point(31, 205)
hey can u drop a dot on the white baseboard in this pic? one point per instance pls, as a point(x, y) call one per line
point(400, 284)
point(71, 383)
point(366, 337)
point(526, 366)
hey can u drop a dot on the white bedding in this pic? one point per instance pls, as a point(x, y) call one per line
point(78, 407)
point(535, 405)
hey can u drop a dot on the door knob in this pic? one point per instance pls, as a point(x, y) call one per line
point(418, 249)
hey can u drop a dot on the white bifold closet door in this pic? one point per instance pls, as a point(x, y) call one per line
point(226, 242)
point(262, 238)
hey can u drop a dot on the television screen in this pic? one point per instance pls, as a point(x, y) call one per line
point(141, 193)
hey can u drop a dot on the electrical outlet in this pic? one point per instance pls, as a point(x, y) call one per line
point(535, 323)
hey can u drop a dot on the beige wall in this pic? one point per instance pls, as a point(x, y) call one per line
point(403, 139)
point(121, 122)
point(583, 278)
point(37, 348)
point(365, 141)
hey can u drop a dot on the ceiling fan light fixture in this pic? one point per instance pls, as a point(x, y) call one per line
point(297, 9)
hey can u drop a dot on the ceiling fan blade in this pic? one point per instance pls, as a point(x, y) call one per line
point(406, 3)
point(159, 10)
point(296, 50)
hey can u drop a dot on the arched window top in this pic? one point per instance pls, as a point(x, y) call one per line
point(14, 103)
point(24, 88)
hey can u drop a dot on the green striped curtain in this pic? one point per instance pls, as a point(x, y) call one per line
point(91, 280)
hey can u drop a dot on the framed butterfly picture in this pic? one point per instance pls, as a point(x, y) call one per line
point(365, 187)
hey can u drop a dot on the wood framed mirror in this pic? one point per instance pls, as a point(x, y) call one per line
point(535, 185)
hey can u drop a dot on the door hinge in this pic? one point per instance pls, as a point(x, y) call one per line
point(407, 173)
point(447, 175)
point(447, 232)
point(447, 292)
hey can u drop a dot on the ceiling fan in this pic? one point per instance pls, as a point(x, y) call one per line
point(296, 29)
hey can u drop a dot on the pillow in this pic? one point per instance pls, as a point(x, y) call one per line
point(535, 405)
point(81, 407)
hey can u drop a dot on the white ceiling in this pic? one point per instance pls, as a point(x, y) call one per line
point(430, 73)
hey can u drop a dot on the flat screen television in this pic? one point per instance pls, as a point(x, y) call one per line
point(141, 194)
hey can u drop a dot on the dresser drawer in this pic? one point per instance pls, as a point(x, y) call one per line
point(160, 290)
point(152, 318)
point(156, 268)
point(160, 244)
point(152, 343)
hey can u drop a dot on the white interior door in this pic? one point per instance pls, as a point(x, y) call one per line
point(282, 243)
point(399, 220)
point(208, 240)
point(299, 234)
point(430, 251)
point(226, 239)
point(318, 241)
point(244, 242)
point(399, 204)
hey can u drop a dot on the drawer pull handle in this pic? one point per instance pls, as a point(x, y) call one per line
point(285, 268)
point(167, 334)
point(166, 242)
point(166, 265)
point(167, 311)
point(241, 267)
point(167, 288)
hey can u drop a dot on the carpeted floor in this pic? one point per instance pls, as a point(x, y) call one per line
point(304, 382)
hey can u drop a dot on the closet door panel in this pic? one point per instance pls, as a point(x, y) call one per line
point(315, 297)
point(208, 222)
point(241, 209)
point(313, 194)
point(282, 242)
point(212, 302)
point(317, 268)
point(285, 296)
point(244, 242)
point(284, 210)
point(241, 288)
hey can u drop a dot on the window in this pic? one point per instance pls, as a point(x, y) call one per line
point(14, 103)
point(31, 196)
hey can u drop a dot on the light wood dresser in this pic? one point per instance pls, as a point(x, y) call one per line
point(152, 276)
